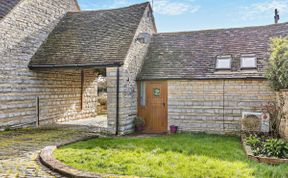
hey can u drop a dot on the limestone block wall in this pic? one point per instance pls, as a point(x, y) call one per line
point(60, 95)
point(283, 102)
point(128, 73)
point(214, 105)
point(111, 75)
point(23, 30)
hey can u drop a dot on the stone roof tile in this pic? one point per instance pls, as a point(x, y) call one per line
point(90, 38)
point(192, 55)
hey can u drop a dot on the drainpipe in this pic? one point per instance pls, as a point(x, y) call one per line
point(223, 109)
point(117, 101)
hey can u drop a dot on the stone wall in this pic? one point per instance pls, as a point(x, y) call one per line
point(214, 105)
point(60, 95)
point(283, 102)
point(23, 30)
point(128, 73)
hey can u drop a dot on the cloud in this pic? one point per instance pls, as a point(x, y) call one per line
point(170, 7)
point(267, 8)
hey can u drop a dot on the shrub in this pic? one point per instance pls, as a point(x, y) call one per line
point(102, 99)
point(8, 129)
point(275, 147)
point(265, 146)
point(273, 110)
point(253, 141)
point(102, 84)
point(251, 123)
point(277, 71)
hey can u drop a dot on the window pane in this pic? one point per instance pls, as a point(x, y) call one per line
point(223, 63)
point(142, 94)
point(248, 62)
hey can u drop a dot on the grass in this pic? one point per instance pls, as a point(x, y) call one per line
point(32, 136)
point(181, 155)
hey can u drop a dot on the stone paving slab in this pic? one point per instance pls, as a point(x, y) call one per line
point(99, 121)
point(19, 150)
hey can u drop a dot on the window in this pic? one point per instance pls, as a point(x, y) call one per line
point(248, 62)
point(142, 94)
point(223, 62)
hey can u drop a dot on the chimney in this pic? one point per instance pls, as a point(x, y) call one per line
point(276, 17)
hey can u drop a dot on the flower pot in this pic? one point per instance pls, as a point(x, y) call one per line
point(173, 129)
point(139, 128)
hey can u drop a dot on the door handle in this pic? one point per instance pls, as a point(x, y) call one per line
point(164, 104)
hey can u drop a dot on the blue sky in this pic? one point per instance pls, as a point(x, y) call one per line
point(188, 15)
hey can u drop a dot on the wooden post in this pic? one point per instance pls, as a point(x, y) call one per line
point(37, 112)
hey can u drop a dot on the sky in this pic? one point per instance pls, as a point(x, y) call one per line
point(190, 15)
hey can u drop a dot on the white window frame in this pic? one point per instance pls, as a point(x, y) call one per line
point(142, 94)
point(248, 57)
point(228, 57)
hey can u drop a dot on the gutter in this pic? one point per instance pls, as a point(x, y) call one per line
point(49, 66)
point(202, 78)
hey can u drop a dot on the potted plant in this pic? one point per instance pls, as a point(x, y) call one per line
point(139, 123)
point(173, 129)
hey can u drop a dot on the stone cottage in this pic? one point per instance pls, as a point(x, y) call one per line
point(199, 81)
point(54, 51)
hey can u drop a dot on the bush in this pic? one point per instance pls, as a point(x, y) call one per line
point(274, 123)
point(251, 123)
point(256, 144)
point(102, 99)
point(270, 147)
point(276, 147)
point(253, 141)
point(277, 71)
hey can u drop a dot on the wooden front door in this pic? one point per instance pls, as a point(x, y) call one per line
point(154, 108)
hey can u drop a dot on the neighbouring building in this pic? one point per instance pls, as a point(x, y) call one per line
point(199, 80)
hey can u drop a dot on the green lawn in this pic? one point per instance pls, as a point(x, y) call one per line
point(181, 155)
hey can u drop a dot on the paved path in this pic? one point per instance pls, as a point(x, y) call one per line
point(19, 150)
point(99, 121)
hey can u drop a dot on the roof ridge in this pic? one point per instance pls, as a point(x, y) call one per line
point(219, 29)
point(121, 8)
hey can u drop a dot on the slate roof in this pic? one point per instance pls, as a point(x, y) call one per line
point(192, 55)
point(6, 6)
point(96, 38)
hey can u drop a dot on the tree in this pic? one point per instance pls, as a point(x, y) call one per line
point(277, 70)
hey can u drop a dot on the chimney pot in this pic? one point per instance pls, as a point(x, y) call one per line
point(276, 17)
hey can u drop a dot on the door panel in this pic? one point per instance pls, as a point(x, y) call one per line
point(155, 110)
